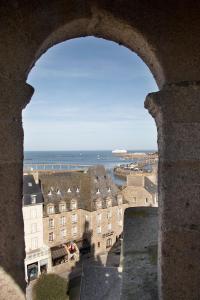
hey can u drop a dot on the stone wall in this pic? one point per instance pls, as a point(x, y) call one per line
point(165, 34)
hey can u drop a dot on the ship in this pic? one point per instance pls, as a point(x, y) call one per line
point(119, 151)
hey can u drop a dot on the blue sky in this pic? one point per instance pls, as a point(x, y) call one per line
point(89, 95)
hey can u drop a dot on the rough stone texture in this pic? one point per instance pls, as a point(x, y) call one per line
point(100, 283)
point(177, 113)
point(139, 261)
point(12, 249)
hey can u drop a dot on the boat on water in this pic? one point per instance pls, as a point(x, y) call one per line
point(119, 151)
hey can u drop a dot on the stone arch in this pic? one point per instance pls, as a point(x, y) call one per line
point(103, 25)
point(166, 36)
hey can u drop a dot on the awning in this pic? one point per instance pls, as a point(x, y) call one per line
point(58, 252)
point(32, 266)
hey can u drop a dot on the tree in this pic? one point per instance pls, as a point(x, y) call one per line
point(50, 287)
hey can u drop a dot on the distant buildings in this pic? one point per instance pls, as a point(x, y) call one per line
point(141, 190)
point(76, 213)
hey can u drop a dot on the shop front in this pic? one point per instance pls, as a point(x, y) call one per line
point(32, 271)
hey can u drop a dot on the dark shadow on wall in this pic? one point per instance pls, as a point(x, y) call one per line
point(96, 273)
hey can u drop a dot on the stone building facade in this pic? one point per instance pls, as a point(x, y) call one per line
point(85, 208)
point(141, 190)
point(38, 257)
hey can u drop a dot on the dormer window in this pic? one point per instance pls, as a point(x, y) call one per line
point(50, 193)
point(62, 207)
point(73, 204)
point(33, 199)
point(109, 202)
point(58, 192)
point(98, 192)
point(99, 204)
point(51, 209)
point(69, 190)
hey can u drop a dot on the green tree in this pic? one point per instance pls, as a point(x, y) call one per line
point(50, 287)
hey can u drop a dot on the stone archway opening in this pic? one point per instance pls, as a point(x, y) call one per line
point(100, 25)
point(88, 87)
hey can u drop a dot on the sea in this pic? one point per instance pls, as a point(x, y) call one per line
point(75, 160)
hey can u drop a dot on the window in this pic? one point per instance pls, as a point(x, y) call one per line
point(33, 213)
point(109, 202)
point(86, 217)
point(51, 223)
point(58, 192)
point(63, 233)
point(33, 227)
point(73, 204)
point(98, 244)
point(74, 230)
point(51, 237)
point(109, 226)
point(98, 192)
point(62, 207)
point(98, 204)
point(50, 209)
point(99, 229)
point(109, 214)
point(74, 218)
point(33, 199)
point(62, 220)
point(98, 218)
point(109, 243)
point(29, 183)
point(34, 243)
point(146, 200)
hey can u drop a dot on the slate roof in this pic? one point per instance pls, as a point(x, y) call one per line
point(31, 188)
point(88, 184)
point(150, 186)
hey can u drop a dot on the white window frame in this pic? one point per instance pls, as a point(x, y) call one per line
point(53, 236)
point(34, 243)
point(62, 207)
point(51, 223)
point(50, 209)
point(74, 218)
point(73, 204)
point(63, 231)
point(62, 220)
point(74, 230)
point(33, 199)
point(99, 229)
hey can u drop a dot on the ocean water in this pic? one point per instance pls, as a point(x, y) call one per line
point(74, 160)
